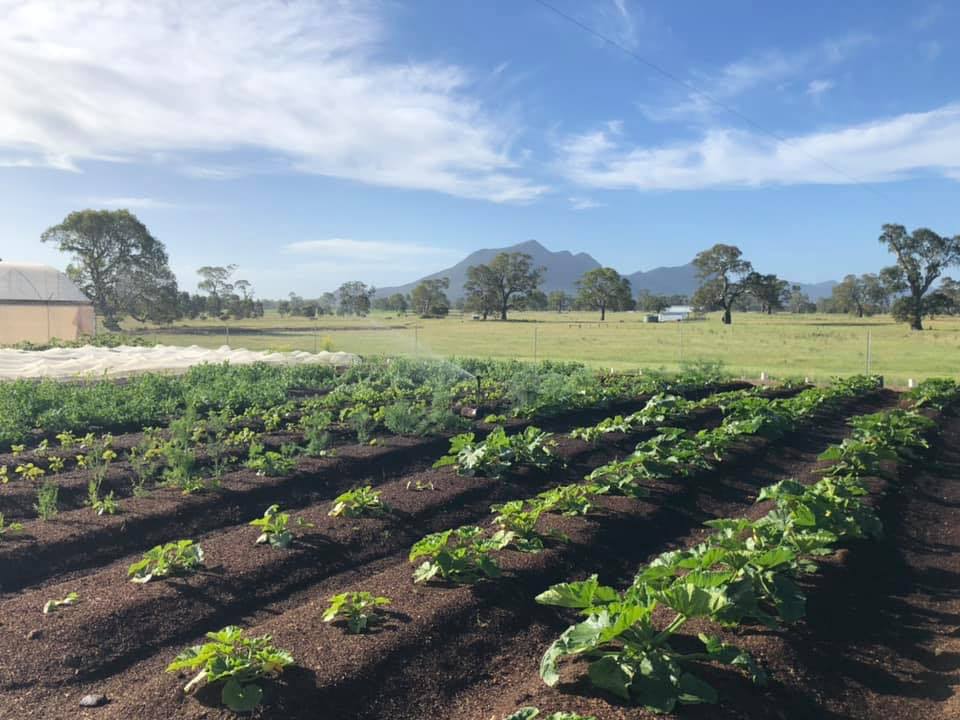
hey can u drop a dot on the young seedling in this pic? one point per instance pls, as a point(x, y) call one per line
point(274, 527)
point(459, 556)
point(175, 558)
point(357, 609)
point(528, 713)
point(9, 528)
point(420, 485)
point(236, 661)
point(29, 471)
point(53, 605)
point(357, 503)
point(46, 505)
point(106, 505)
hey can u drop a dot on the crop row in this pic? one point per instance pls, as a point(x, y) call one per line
point(745, 571)
point(465, 554)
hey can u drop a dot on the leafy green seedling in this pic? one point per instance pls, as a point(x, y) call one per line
point(357, 503)
point(358, 609)
point(9, 528)
point(175, 558)
point(463, 555)
point(274, 526)
point(235, 660)
point(54, 605)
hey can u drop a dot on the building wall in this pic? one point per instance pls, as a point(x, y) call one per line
point(39, 322)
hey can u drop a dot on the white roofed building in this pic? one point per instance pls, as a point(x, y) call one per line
point(39, 303)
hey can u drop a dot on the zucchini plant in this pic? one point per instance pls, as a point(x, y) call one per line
point(528, 713)
point(9, 528)
point(174, 558)
point(274, 527)
point(499, 452)
point(357, 503)
point(51, 606)
point(463, 555)
point(357, 609)
point(236, 661)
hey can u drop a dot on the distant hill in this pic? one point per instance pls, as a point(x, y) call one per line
point(563, 269)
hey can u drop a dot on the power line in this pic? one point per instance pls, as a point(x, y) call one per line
point(705, 95)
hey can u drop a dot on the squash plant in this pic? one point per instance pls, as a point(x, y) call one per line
point(357, 503)
point(462, 555)
point(274, 526)
point(499, 452)
point(236, 661)
point(357, 609)
point(174, 558)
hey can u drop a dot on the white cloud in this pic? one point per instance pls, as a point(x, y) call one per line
point(773, 67)
point(305, 82)
point(881, 151)
point(373, 252)
point(129, 202)
point(583, 203)
point(816, 88)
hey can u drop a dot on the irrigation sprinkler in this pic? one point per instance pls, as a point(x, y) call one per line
point(479, 396)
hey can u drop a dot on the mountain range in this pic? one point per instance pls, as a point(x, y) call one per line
point(564, 268)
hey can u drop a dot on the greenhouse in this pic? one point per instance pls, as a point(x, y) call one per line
point(39, 303)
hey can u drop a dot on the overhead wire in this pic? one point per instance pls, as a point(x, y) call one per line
point(705, 95)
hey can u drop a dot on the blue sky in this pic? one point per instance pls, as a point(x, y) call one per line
point(316, 142)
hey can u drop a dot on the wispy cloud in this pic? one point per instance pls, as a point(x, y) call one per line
point(129, 202)
point(885, 150)
point(927, 17)
point(122, 80)
point(374, 252)
point(583, 203)
point(816, 88)
point(758, 70)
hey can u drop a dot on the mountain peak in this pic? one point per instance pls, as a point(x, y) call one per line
point(529, 246)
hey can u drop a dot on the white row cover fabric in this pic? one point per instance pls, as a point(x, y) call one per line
point(23, 282)
point(125, 360)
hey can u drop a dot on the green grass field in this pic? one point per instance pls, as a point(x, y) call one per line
point(817, 346)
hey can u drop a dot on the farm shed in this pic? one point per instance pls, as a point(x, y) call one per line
point(39, 303)
point(675, 313)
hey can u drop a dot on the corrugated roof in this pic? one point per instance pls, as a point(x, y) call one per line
point(25, 282)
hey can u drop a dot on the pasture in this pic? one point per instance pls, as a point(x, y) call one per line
point(782, 345)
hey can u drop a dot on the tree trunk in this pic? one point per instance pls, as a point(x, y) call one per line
point(503, 313)
point(603, 313)
point(769, 309)
point(727, 319)
point(916, 323)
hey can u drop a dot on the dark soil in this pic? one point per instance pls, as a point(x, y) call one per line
point(464, 652)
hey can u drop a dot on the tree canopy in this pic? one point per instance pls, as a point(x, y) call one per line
point(922, 256)
point(354, 298)
point(115, 261)
point(602, 289)
point(722, 272)
point(770, 292)
point(429, 299)
point(503, 284)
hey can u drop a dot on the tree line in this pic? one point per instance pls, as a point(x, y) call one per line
point(125, 272)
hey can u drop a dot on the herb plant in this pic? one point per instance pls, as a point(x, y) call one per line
point(274, 526)
point(47, 497)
